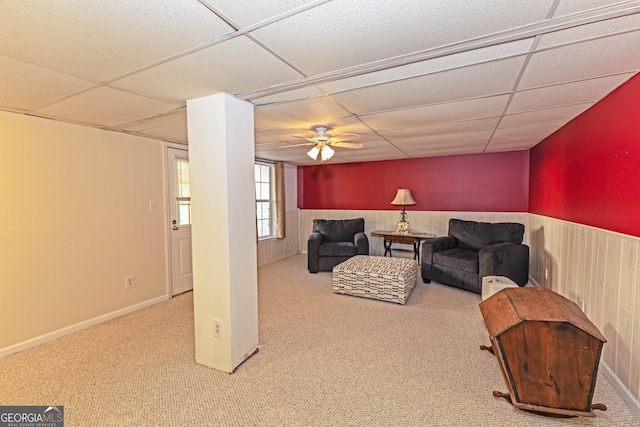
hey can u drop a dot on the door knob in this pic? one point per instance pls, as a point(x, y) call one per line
point(175, 227)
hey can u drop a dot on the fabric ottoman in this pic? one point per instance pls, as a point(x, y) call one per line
point(382, 278)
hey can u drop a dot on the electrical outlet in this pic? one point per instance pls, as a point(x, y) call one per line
point(218, 330)
point(130, 282)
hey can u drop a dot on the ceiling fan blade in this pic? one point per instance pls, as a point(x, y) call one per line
point(295, 145)
point(348, 145)
point(300, 136)
point(347, 137)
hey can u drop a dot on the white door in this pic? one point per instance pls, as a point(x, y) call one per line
point(179, 198)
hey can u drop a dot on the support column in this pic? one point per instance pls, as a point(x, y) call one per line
point(225, 278)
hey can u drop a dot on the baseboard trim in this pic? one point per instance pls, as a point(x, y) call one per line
point(271, 261)
point(623, 391)
point(78, 326)
point(533, 282)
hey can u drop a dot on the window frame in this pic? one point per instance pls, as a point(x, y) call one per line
point(271, 201)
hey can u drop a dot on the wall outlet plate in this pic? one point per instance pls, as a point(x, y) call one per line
point(218, 330)
point(130, 282)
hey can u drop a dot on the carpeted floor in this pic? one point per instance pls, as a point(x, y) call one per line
point(325, 360)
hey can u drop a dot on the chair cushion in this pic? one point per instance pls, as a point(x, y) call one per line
point(337, 249)
point(458, 258)
point(338, 230)
point(478, 235)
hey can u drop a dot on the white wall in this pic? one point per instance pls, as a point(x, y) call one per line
point(272, 250)
point(75, 222)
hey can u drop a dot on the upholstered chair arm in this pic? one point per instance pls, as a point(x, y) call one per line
point(362, 243)
point(506, 259)
point(431, 246)
point(313, 252)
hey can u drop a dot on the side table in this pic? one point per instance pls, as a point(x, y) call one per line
point(410, 238)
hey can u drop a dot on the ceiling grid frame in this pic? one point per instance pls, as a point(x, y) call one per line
point(148, 97)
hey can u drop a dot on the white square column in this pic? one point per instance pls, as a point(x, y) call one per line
point(225, 278)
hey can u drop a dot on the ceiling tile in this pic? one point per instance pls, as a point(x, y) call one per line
point(566, 7)
point(543, 116)
point(410, 143)
point(439, 113)
point(492, 53)
point(582, 32)
point(620, 54)
point(106, 106)
point(535, 129)
point(565, 94)
point(476, 81)
point(446, 149)
point(522, 142)
point(346, 33)
point(230, 67)
point(170, 127)
point(101, 40)
point(245, 13)
point(443, 128)
point(303, 114)
point(26, 86)
point(288, 96)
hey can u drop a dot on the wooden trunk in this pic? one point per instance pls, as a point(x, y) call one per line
point(547, 349)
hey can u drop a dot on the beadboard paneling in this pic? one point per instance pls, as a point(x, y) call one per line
point(601, 268)
point(436, 222)
point(272, 250)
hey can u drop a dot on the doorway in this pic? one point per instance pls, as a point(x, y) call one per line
point(179, 215)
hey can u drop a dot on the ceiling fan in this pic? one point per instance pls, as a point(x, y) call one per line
point(323, 142)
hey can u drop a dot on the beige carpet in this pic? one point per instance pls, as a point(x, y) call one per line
point(325, 360)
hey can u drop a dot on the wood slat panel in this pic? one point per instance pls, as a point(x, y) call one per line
point(635, 342)
point(601, 281)
point(610, 308)
point(624, 327)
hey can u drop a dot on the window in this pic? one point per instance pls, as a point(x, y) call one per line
point(183, 191)
point(265, 199)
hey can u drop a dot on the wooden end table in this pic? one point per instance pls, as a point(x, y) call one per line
point(411, 238)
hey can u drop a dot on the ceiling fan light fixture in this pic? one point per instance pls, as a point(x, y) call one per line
point(313, 153)
point(326, 153)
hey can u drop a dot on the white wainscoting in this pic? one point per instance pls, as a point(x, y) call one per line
point(272, 250)
point(420, 221)
point(601, 268)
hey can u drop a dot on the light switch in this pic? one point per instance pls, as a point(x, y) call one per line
point(153, 205)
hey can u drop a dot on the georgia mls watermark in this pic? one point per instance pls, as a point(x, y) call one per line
point(31, 416)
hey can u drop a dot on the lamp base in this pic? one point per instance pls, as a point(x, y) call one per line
point(403, 226)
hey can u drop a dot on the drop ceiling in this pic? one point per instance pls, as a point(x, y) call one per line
point(412, 78)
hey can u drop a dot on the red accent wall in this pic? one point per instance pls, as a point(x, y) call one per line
point(494, 182)
point(588, 172)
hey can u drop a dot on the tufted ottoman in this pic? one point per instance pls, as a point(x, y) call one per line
point(383, 278)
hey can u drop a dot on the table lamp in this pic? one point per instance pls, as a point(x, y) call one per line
point(403, 198)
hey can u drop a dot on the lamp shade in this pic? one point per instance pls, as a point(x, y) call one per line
point(326, 153)
point(313, 153)
point(403, 198)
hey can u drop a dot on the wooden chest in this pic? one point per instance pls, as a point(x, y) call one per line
point(547, 349)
